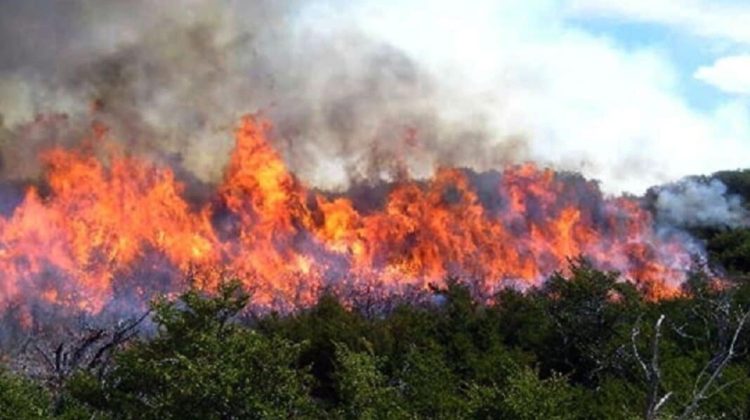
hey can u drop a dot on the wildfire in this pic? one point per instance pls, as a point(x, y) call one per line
point(110, 223)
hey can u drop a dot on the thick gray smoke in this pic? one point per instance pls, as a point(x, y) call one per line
point(700, 203)
point(172, 78)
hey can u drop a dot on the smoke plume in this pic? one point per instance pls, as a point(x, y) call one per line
point(171, 78)
point(91, 229)
point(700, 203)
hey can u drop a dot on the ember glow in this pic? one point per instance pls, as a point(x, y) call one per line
point(105, 224)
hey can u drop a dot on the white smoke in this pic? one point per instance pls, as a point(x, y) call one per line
point(356, 86)
point(700, 203)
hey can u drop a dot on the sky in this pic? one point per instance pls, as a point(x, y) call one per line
point(633, 93)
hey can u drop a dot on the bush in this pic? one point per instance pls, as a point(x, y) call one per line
point(202, 365)
point(21, 399)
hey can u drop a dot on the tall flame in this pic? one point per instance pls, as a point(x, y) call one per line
point(102, 217)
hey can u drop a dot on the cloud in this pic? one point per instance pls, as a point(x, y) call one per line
point(483, 82)
point(719, 19)
point(730, 74)
point(585, 102)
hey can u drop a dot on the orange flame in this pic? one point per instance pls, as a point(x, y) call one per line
point(100, 218)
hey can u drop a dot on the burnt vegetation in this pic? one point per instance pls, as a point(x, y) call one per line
point(585, 344)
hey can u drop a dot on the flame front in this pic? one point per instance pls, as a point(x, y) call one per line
point(104, 225)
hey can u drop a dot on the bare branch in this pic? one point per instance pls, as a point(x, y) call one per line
point(655, 403)
point(662, 401)
point(636, 331)
point(652, 371)
point(87, 349)
point(119, 337)
point(730, 352)
point(44, 356)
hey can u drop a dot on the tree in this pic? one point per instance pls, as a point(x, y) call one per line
point(590, 313)
point(708, 382)
point(321, 328)
point(431, 389)
point(526, 397)
point(202, 365)
point(731, 250)
point(363, 389)
point(21, 399)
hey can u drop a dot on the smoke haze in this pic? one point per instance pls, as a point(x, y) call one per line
point(700, 203)
point(359, 90)
point(171, 79)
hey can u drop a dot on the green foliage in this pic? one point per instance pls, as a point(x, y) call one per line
point(320, 328)
point(615, 398)
point(528, 397)
point(201, 365)
point(430, 386)
point(523, 320)
point(737, 182)
point(561, 351)
point(731, 250)
point(586, 319)
point(363, 389)
point(20, 399)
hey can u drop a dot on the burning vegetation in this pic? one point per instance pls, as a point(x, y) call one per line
point(378, 241)
point(107, 228)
